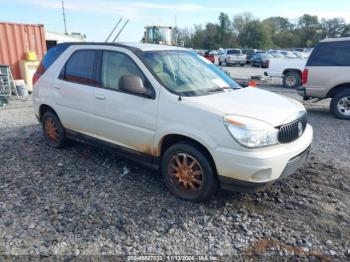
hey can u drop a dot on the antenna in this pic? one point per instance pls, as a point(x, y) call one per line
point(114, 28)
point(64, 18)
point(127, 21)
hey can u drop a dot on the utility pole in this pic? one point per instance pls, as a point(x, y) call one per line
point(64, 18)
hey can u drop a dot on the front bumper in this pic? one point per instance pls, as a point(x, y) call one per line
point(245, 186)
point(257, 168)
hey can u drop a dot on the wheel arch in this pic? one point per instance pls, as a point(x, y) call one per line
point(338, 88)
point(172, 139)
point(292, 70)
point(46, 108)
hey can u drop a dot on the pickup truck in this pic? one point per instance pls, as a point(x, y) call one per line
point(290, 69)
point(232, 57)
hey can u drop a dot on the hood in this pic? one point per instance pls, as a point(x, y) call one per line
point(252, 102)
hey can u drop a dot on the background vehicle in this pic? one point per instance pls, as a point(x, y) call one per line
point(289, 69)
point(209, 56)
point(327, 75)
point(232, 57)
point(249, 54)
point(261, 60)
point(288, 54)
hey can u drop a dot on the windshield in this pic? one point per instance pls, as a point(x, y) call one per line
point(233, 52)
point(187, 73)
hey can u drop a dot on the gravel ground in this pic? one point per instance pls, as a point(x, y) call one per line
point(84, 201)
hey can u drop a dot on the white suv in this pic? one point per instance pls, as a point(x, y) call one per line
point(171, 109)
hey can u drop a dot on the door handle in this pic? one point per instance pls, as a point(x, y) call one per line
point(57, 86)
point(100, 97)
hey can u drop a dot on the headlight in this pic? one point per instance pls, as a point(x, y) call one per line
point(251, 132)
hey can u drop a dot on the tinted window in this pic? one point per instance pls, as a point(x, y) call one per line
point(231, 52)
point(114, 66)
point(80, 67)
point(332, 54)
point(52, 55)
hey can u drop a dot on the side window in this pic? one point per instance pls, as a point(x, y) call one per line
point(342, 55)
point(114, 66)
point(80, 67)
point(332, 54)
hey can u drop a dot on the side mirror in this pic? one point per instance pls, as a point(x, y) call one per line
point(133, 84)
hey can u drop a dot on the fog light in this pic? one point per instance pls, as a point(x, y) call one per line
point(262, 175)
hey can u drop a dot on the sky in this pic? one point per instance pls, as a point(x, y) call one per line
point(96, 18)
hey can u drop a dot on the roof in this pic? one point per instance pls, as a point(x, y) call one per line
point(133, 46)
point(152, 47)
point(336, 39)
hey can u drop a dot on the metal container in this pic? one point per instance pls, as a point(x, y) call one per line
point(16, 40)
point(22, 90)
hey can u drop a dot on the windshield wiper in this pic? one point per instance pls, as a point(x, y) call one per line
point(218, 89)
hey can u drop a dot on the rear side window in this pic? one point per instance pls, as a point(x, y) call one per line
point(80, 68)
point(52, 55)
point(331, 54)
point(233, 52)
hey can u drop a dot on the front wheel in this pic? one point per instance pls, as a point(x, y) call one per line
point(340, 104)
point(187, 173)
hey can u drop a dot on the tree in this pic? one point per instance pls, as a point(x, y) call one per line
point(280, 30)
point(309, 31)
point(333, 27)
point(240, 21)
point(224, 30)
point(255, 35)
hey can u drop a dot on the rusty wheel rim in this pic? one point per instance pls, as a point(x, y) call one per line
point(185, 172)
point(51, 131)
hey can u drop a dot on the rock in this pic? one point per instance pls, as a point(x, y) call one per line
point(332, 252)
point(329, 242)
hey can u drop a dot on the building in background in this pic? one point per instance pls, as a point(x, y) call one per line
point(52, 39)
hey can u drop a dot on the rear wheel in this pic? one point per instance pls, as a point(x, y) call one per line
point(340, 104)
point(241, 64)
point(291, 80)
point(53, 130)
point(187, 173)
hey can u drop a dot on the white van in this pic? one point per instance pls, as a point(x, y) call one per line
point(171, 109)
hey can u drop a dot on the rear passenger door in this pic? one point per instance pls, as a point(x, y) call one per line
point(74, 87)
point(122, 118)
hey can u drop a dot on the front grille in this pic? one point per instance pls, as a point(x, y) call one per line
point(289, 132)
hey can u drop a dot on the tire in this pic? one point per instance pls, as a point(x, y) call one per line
point(340, 104)
point(219, 63)
point(291, 80)
point(183, 184)
point(53, 130)
point(241, 65)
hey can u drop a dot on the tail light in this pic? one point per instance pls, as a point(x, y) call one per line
point(304, 76)
point(39, 72)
